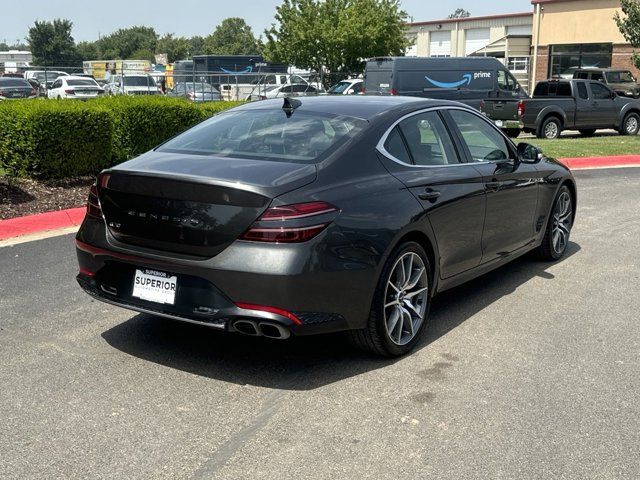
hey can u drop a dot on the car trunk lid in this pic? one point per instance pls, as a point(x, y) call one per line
point(191, 204)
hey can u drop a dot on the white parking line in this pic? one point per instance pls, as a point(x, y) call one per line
point(32, 237)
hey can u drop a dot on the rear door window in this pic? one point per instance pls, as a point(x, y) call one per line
point(396, 147)
point(428, 140)
point(582, 91)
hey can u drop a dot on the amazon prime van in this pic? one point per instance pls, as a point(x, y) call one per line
point(476, 81)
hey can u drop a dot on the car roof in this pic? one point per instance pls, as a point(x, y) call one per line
point(600, 69)
point(360, 106)
point(13, 79)
point(75, 77)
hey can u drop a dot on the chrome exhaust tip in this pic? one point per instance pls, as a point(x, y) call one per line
point(247, 327)
point(273, 330)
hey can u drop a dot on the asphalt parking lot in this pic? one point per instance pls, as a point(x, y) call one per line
point(532, 371)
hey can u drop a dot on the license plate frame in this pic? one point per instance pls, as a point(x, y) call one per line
point(155, 286)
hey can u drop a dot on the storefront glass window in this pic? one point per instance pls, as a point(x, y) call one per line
point(566, 59)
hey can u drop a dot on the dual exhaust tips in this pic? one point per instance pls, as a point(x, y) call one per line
point(261, 329)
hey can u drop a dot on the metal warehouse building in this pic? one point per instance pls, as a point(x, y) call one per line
point(553, 40)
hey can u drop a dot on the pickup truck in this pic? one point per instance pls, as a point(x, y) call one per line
point(582, 105)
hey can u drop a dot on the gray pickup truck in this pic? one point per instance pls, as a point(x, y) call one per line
point(581, 105)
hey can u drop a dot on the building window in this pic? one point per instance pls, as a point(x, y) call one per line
point(518, 64)
point(564, 60)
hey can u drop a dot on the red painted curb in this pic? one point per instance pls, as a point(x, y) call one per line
point(600, 162)
point(15, 227)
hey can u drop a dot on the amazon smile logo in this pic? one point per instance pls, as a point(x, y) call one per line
point(467, 78)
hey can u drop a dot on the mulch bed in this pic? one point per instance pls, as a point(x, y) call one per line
point(27, 197)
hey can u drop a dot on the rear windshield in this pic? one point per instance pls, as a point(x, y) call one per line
point(552, 89)
point(82, 83)
point(339, 87)
point(139, 82)
point(377, 77)
point(14, 82)
point(268, 134)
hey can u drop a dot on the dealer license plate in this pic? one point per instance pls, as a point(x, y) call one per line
point(154, 286)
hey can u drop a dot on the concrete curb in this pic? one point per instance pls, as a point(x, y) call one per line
point(63, 219)
point(41, 222)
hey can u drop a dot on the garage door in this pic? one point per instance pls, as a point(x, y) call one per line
point(519, 30)
point(475, 39)
point(440, 44)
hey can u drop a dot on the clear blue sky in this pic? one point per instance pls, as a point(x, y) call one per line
point(196, 17)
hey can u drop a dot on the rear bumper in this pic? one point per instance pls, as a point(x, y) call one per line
point(515, 124)
point(305, 280)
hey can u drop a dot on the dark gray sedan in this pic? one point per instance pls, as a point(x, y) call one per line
point(16, 88)
point(318, 214)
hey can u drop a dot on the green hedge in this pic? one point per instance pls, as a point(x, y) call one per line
point(67, 138)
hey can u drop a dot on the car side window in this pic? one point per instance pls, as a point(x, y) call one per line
point(582, 91)
point(395, 146)
point(428, 141)
point(484, 142)
point(599, 91)
point(505, 81)
point(357, 88)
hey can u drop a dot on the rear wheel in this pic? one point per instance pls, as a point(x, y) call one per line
point(400, 305)
point(556, 238)
point(587, 133)
point(550, 128)
point(512, 132)
point(630, 124)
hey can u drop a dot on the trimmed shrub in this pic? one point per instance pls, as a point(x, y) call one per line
point(66, 138)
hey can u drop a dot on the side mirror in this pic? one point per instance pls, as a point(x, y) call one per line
point(529, 153)
point(613, 95)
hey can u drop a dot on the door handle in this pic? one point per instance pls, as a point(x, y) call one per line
point(492, 186)
point(429, 194)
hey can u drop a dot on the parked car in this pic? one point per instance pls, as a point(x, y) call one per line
point(347, 87)
point(44, 78)
point(15, 88)
point(261, 85)
point(195, 92)
point(75, 87)
point(259, 221)
point(620, 81)
point(131, 85)
point(581, 105)
point(291, 90)
point(470, 80)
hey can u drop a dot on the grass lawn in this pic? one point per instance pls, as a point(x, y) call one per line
point(575, 146)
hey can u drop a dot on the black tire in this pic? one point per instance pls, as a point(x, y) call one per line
point(550, 129)
point(587, 133)
point(512, 132)
point(547, 249)
point(374, 338)
point(630, 124)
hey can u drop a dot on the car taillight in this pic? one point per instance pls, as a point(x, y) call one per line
point(33, 92)
point(393, 91)
point(521, 108)
point(307, 217)
point(1, 93)
point(93, 204)
point(364, 90)
point(70, 92)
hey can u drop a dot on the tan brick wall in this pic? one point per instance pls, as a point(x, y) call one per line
point(542, 65)
point(622, 59)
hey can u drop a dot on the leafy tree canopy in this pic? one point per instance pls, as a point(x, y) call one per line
point(123, 43)
point(176, 48)
point(232, 37)
point(51, 43)
point(629, 25)
point(460, 13)
point(335, 34)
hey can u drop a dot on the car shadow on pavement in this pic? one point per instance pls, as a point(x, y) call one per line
point(303, 363)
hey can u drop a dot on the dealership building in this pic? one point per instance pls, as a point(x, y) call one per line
point(554, 39)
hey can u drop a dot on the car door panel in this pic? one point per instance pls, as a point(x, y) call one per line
point(452, 195)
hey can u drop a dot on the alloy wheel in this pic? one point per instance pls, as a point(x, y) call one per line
point(631, 125)
point(406, 298)
point(561, 222)
point(551, 130)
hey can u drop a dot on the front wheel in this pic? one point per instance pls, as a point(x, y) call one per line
point(556, 237)
point(630, 124)
point(400, 304)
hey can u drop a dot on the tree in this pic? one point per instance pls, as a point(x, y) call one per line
point(88, 51)
point(196, 45)
point(232, 37)
point(51, 43)
point(335, 34)
point(629, 25)
point(460, 13)
point(123, 43)
point(176, 48)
